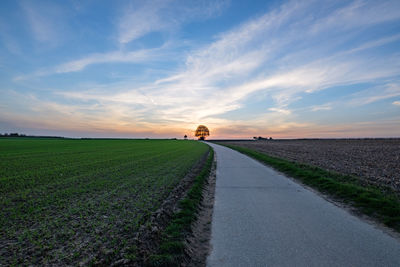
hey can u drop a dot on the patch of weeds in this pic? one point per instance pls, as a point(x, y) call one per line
point(161, 260)
point(172, 245)
point(370, 200)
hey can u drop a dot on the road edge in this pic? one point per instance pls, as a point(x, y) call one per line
point(335, 199)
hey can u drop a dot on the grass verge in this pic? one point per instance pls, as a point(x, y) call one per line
point(172, 244)
point(370, 200)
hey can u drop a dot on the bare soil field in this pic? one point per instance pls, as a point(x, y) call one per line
point(374, 161)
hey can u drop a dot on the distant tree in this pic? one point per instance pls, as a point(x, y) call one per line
point(185, 137)
point(201, 132)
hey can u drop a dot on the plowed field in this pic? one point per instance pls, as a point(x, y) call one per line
point(374, 161)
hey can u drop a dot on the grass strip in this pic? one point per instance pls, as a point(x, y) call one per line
point(369, 200)
point(172, 243)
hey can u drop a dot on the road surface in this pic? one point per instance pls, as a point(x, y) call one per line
point(262, 218)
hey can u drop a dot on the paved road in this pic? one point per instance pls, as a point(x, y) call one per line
point(262, 218)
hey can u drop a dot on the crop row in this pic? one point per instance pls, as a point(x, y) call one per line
point(75, 201)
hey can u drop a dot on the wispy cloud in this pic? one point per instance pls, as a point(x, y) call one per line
point(321, 107)
point(375, 43)
point(375, 94)
point(42, 21)
point(162, 15)
point(396, 103)
point(116, 56)
point(211, 74)
point(139, 56)
point(242, 54)
point(358, 14)
point(368, 128)
point(137, 22)
point(282, 57)
point(280, 110)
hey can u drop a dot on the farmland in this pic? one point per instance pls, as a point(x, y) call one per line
point(75, 202)
point(373, 161)
point(378, 201)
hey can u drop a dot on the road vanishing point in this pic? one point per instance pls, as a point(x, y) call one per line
point(263, 218)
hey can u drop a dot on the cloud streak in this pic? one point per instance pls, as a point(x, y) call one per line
point(116, 56)
point(277, 60)
point(161, 16)
point(45, 21)
point(211, 74)
point(137, 22)
point(376, 94)
point(139, 56)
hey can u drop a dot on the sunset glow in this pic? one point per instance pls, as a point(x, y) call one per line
point(158, 69)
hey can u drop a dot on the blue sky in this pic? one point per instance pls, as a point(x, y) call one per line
point(286, 69)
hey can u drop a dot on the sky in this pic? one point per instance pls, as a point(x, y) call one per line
point(158, 69)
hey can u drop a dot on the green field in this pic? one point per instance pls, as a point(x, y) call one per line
point(72, 201)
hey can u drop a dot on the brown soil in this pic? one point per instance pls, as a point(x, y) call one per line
point(374, 161)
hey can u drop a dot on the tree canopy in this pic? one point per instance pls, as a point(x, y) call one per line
point(201, 132)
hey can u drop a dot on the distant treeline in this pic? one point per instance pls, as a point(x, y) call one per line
point(12, 135)
point(27, 136)
point(82, 138)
